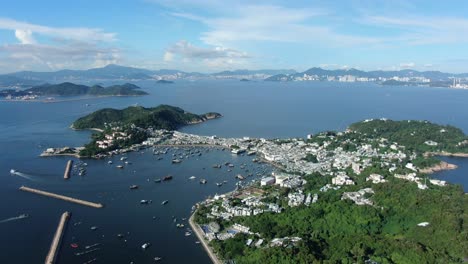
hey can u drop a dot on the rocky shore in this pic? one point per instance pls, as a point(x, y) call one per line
point(439, 167)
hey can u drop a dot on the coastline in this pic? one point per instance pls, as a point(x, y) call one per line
point(447, 154)
point(198, 232)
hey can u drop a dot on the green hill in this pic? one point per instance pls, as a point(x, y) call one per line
point(71, 89)
point(161, 117)
point(414, 134)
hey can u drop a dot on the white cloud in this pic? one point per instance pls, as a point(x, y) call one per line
point(424, 30)
point(271, 23)
point(407, 65)
point(77, 34)
point(65, 48)
point(187, 50)
point(24, 36)
point(214, 57)
point(168, 56)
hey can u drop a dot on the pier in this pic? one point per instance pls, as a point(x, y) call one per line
point(61, 197)
point(66, 175)
point(54, 247)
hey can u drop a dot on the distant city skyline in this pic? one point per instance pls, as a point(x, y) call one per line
point(211, 36)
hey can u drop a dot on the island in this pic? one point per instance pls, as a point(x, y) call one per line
point(363, 195)
point(71, 89)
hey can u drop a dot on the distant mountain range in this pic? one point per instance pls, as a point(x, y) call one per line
point(116, 72)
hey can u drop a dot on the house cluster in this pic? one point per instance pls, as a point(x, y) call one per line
point(251, 205)
point(375, 178)
point(109, 139)
point(412, 177)
point(342, 179)
point(297, 198)
point(285, 241)
point(359, 197)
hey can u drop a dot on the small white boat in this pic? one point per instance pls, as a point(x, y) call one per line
point(192, 178)
point(145, 245)
point(109, 162)
point(12, 171)
point(157, 258)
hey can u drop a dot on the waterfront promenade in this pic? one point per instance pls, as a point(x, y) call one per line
point(196, 228)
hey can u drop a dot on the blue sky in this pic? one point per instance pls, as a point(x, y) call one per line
point(210, 36)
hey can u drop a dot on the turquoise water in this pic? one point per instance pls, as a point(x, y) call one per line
point(255, 109)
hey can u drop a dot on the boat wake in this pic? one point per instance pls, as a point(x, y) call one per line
point(22, 175)
point(14, 218)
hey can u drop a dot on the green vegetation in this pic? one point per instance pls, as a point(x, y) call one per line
point(413, 134)
point(338, 231)
point(161, 117)
point(71, 89)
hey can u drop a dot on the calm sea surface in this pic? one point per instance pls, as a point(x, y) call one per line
point(255, 109)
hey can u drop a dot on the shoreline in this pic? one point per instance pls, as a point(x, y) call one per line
point(67, 100)
point(447, 154)
point(198, 232)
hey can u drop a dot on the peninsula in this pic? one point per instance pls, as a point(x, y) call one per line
point(119, 129)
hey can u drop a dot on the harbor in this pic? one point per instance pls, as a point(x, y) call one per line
point(55, 246)
point(61, 197)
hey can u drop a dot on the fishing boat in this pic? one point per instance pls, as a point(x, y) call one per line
point(167, 178)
